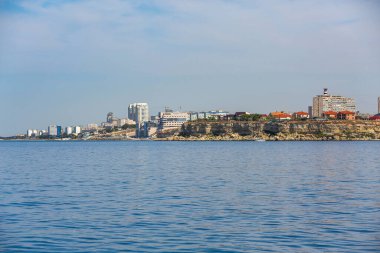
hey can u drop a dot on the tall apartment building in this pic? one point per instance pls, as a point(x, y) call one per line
point(310, 111)
point(69, 130)
point(54, 131)
point(172, 119)
point(77, 130)
point(326, 102)
point(138, 112)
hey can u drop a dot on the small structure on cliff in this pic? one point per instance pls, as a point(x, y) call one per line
point(346, 115)
point(330, 115)
point(280, 116)
point(300, 115)
point(375, 117)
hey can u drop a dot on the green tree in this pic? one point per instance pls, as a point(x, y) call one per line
point(128, 126)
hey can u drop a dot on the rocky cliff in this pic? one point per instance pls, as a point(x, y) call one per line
point(284, 130)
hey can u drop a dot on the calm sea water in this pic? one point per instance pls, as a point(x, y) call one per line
point(190, 196)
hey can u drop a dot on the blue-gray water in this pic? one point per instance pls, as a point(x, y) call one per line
point(190, 196)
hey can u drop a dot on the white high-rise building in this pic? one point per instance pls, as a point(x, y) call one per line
point(29, 133)
point(69, 130)
point(33, 133)
point(138, 112)
point(76, 130)
point(54, 130)
point(327, 102)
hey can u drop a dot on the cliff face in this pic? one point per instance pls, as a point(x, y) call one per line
point(285, 130)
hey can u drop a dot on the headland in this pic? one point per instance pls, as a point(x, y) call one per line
point(310, 130)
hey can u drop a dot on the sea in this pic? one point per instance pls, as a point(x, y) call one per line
point(153, 196)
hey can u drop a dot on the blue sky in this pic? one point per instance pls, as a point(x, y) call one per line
point(71, 62)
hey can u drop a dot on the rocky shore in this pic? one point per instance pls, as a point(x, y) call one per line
point(310, 130)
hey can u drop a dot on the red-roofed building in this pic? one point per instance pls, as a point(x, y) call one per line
point(346, 115)
point(330, 115)
point(280, 116)
point(375, 117)
point(300, 115)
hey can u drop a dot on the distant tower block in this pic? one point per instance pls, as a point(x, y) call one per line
point(327, 102)
point(310, 111)
point(109, 117)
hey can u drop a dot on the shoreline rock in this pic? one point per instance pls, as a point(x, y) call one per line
point(333, 130)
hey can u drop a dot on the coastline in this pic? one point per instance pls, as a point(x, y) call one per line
point(332, 130)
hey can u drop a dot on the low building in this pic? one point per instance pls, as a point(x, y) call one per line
point(346, 115)
point(155, 120)
point(204, 115)
point(330, 115)
point(122, 122)
point(218, 114)
point(193, 116)
point(111, 121)
point(280, 116)
point(91, 127)
point(362, 116)
point(172, 119)
point(375, 117)
point(42, 133)
point(230, 117)
point(199, 115)
point(300, 115)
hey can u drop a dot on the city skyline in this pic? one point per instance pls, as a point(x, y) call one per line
point(71, 62)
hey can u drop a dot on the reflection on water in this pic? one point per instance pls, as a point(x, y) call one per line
point(190, 196)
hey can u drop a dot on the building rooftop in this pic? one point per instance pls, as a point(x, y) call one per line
point(301, 113)
point(330, 113)
point(346, 112)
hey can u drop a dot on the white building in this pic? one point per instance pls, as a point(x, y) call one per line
point(29, 133)
point(54, 130)
point(92, 126)
point(42, 133)
point(68, 130)
point(111, 121)
point(122, 122)
point(138, 112)
point(172, 119)
point(76, 130)
point(32, 133)
point(218, 113)
point(327, 102)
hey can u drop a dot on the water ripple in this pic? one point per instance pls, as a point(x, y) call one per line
point(189, 196)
